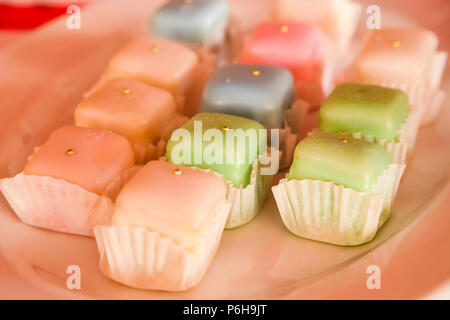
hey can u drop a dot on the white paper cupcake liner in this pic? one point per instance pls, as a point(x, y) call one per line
point(327, 212)
point(143, 259)
point(246, 202)
point(58, 205)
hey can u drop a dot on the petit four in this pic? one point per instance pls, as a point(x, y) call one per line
point(199, 22)
point(165, 229)
point(301, 48)
point(339, 189)
point(233, 147)
point(261, 93)
point(337, 18)
point(378, 114)
point(70, 182)
point(407, 60)
point(144, 114)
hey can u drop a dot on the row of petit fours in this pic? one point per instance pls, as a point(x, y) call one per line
point(340, 185)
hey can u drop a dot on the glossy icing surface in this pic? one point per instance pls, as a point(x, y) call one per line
point(339, 158)
point(161, 63)
point(90, 158)
point(235, 163)
point(372, 110)
point(137, 111)
point(261, 93)
point(200, 22)
point(299, 47)
point(175, 201)
point(397, 55)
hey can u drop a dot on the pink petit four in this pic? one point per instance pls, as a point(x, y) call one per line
point(177, 214)
point(142, 113)
point(299, 47)
point(70, 181)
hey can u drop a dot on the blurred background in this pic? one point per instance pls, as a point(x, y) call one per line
point(18, 17)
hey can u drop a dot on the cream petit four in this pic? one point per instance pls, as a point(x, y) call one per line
point(408, 60)
point(337, 18)
point(301, 48)
point(70, 182)
point(378, 114)
point(165, 229)
point(161, 63)
point(234, 147)
point(199, 22)
point(339, 189)
point(261, 93)
point(144, 114)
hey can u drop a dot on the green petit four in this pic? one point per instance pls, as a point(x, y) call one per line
point(339, 158)
point(371, 110)
point(230, 148)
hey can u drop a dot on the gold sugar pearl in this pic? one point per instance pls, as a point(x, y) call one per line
point(126, 91)
point(256, 73)
point(187, 1)
point(177, 172)
point(225, 128)
point(284, 28)
point(70, 152)
point(396, 44)
point(154, 49)
point(343, 140)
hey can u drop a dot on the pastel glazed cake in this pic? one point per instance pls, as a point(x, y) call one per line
point(170, 200)
point(301, 48)
point(397, 55)
point(166, 225)
point(261, 93)
point(142, 113)
point(339, 189)
point(237, 172)
point(337, 18)
point(90, 158)
point(199, 22)
point(341, 159)
point(70, 182)
point(372, 110)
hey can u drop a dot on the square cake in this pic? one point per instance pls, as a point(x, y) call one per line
point(199, 22)
point(397, 55)
point(89, 158)
point(196, 143)
point(140, 112)
point(301, 48)
point(177, 202)
point(260, 93)
point(368, 109)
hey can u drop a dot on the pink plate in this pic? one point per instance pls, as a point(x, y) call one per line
point(43, 77)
